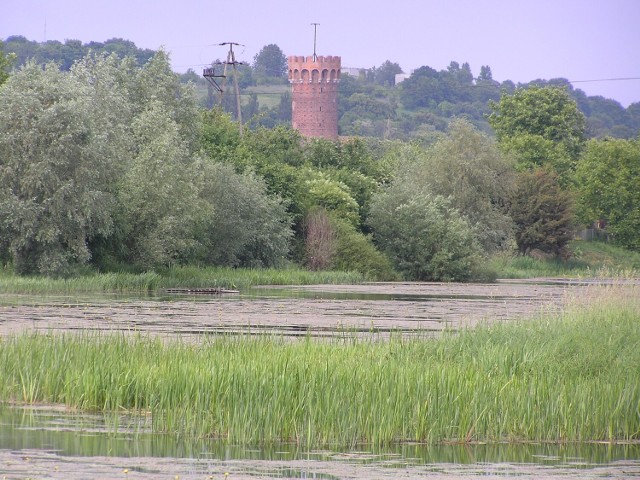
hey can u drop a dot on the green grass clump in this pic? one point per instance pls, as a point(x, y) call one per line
point(187, 277)
point(601, 255)
point(572, 377)
point(106, 282)
point(245, 277)
point(589, 259)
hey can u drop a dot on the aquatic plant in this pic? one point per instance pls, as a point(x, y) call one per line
point(185, 277)
point(566, 377)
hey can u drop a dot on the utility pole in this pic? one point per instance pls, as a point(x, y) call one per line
point(315, 34)
point(231, 60)
point(210, 75)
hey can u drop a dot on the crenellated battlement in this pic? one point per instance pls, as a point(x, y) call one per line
point(319, 59)
point(324, 69)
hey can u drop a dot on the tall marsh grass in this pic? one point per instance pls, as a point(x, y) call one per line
point(589, 259)
point(186, 277)
point(570, 377)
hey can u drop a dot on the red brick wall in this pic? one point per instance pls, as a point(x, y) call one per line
point(314, 95)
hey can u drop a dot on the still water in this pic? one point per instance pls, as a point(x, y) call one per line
point(54, 443)
point(319, 310)
point(50, 442)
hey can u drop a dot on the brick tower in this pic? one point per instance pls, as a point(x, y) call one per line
point(314, 95)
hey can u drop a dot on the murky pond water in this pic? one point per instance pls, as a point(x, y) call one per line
point(54, 443)
point(316, 310)
point(48, 442)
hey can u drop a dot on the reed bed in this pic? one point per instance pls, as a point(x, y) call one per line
point(246, 277)
point(568, 377)
point(187, 277)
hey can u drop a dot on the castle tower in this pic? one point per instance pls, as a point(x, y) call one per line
point(314, 95)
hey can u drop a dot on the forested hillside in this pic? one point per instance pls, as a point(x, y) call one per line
point(371, 104)
point(67, 53)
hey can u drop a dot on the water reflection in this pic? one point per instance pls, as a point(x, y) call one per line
point(92, 435)
point(255, 293)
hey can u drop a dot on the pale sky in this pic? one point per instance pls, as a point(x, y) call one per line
point(595, 40)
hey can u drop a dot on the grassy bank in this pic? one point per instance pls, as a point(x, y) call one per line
point(572, 377)
point(589, 259)
point(186, 277)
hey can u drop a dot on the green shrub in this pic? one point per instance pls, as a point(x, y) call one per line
point(247, 227)
point(424, 236)
point(355, 251)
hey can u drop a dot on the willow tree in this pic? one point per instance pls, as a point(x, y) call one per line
point(67, 148)
point(55, 166)
point(466, 167)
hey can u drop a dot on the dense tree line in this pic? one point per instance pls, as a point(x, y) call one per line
point(67, 53)
point(100, 165)
point(565, 180)
point(113, 165)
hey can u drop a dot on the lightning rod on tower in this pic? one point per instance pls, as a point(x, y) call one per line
point(315, 34)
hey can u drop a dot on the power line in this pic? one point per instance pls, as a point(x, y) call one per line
point(496, 87)
point(620, 79)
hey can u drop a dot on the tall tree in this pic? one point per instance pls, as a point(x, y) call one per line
point(485, 73)
point(386, 73)
point(57, 158)
point(608, 186)
point(158, 197)
point(542, 212)
point(270, 62)
point(422, 89)
point(541, 126)
point(461, 75)
point(486, 88)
